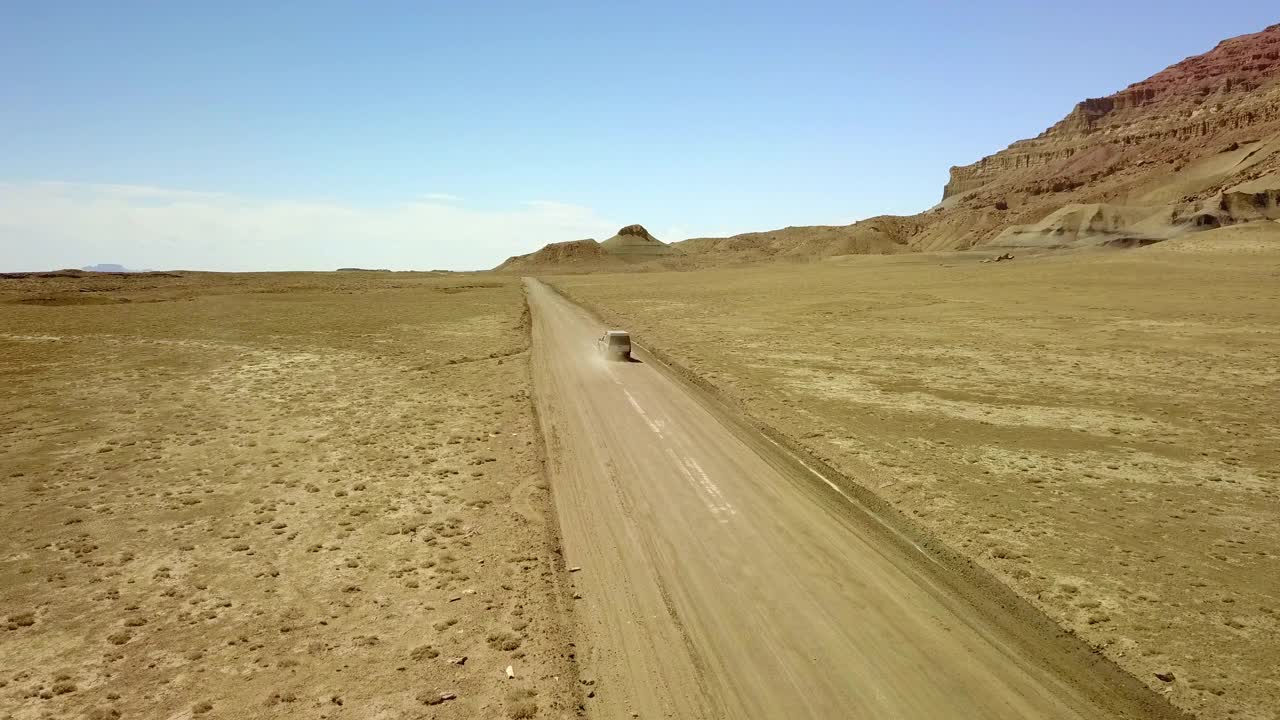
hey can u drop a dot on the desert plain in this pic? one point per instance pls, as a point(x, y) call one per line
point(323, 494)
point(278, 495)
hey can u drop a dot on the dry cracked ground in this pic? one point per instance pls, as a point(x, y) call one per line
point(1101, 431)
point(296, 495)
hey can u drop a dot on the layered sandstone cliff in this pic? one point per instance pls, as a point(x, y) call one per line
point(1121, 148)
point(1195, 146)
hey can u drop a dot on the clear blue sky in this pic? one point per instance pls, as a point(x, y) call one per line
point(415, 134)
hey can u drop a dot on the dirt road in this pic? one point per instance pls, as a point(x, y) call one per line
point(716, 583)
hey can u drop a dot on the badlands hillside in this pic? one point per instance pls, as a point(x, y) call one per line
point(1194, 147)
point(632, 245)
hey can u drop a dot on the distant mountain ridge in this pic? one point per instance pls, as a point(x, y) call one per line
point(1195, 146)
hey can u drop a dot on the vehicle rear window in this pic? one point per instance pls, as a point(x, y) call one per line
point(619, 340)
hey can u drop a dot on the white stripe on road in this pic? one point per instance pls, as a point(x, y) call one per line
point(710, 486)
point(706, 489)
point(710, 493)
point(715, 509)
point(867, 512)
point(643, 414)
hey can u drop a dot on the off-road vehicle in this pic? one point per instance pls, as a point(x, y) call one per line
point(615, 345)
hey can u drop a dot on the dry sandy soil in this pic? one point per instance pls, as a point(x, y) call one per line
point(1100, 430)
point(298, 495)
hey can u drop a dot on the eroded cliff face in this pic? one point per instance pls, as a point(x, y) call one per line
point(1195, 146)
point(1107, 149)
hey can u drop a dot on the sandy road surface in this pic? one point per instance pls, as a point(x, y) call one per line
point(712, 585)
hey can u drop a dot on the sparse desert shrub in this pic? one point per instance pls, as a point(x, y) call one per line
point(17, 620)
point(505, 640)
point(424, 652)
point(1005, 552)
point(520, 704)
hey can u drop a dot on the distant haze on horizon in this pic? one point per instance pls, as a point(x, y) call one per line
point(394, 135)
